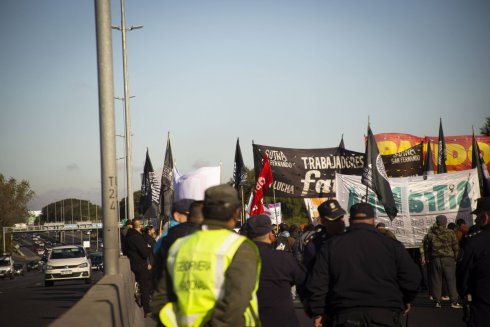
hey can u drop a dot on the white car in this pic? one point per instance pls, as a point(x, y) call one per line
point(67, 262)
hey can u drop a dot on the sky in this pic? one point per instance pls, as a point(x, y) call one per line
point(284, 73)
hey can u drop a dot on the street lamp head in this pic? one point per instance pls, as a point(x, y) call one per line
point(133, 27)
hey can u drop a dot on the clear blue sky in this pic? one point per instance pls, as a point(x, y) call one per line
point(284, 73)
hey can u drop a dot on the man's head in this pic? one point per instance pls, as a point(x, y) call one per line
point(138, 223)
point(482, 211)
point(129, 223)
point(381, 225)
point(332, 216)
point(149, 230)
point(362, 213)
point(441, 220)
point(180, 210)
point(195, 212)
point(259, 228)
point(221, 203)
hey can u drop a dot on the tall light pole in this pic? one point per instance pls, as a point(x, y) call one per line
point(127, 176)
point(127, 116)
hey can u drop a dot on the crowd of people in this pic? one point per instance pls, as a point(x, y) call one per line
point(204, 271)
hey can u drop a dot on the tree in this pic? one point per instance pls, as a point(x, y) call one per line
point(71, 210)
point(14, 197)
point(485, 129)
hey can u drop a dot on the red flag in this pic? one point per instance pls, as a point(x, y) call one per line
point(263, 183)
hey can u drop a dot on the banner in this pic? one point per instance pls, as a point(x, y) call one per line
point(418, 201)
point(274, 212)
point(405, 163)
point(307, 173)
point(458, 148)
point(193, 184)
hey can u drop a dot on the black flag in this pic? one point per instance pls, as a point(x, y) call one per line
point(477, 162)
point(375, 178)
point(239, 173)
point(341, 144)
point(149, 187)
point(429, 162)
point(167, 184)
point(441, 151)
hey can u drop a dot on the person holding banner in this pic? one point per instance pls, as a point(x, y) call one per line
point(361, 277)
point(473, 272)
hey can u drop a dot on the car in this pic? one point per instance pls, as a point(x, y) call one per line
point(97, 261)
point(67, 262)
point(6, 267)
point(33, 265)
point(19, 269)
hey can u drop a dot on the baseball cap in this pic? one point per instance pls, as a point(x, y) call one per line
point(482, 205)
point(182, 205)
point(220, 201)
point(331, 210)
point(361, 211)
point(257, 226)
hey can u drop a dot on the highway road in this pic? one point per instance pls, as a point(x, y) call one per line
point(25, 301)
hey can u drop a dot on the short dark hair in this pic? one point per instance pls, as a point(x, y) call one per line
point(460, 222)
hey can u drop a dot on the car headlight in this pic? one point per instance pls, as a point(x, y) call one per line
point(48, 267)
point(83, 265)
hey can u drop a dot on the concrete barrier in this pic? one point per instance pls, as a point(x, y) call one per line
point(109, 303)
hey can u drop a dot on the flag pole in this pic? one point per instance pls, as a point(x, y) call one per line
point(367, 187)
point(275, 210)
point(243, 206)
point(220, 164)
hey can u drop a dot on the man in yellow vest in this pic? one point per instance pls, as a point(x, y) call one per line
point(211, 277)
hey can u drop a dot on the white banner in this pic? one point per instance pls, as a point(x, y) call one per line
point(274, 212)
point(193, 184)
point(418, 201)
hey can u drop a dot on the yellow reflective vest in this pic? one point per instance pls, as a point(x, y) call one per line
point(197, 265)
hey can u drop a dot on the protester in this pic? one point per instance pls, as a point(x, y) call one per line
point(279, 272)
point(193, 224)
point(362, 278)
point(124, 240)
point(331, 223)
point(461, 230)
point(180, 211)
point(213, 274)
point(442, 248)
point(138, 253)
point(381, 227)
point(474, 268)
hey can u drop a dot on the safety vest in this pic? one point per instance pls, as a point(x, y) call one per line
point(197, 265)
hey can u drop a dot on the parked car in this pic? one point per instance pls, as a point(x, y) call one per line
point(6, 267)
point(97, 260)
point(33, 265)
point(19, 269)
point(67, 262)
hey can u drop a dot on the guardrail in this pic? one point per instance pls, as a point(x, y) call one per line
point(109, 303)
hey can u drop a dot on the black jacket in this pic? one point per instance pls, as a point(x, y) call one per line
point(473, 275)
point(138, 249)
point(362, 269)
point(280, 270)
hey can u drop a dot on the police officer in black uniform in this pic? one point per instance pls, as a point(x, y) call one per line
point(361, 277)
point(331, 223)
point(280, 270)
point(473, 271)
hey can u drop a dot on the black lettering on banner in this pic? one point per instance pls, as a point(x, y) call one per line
point(306, 173)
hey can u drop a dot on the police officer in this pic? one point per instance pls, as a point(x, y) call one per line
point(212, 275)
point(331, 223)
point(280, 270)
point(362, 278)
point(473, 273)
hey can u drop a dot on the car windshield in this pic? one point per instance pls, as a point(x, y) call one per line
point(4, 262)
point(67, 253)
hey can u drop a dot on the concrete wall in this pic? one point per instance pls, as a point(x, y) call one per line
point(110, 302)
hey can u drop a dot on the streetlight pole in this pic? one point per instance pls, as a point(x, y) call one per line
point(127, 116)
